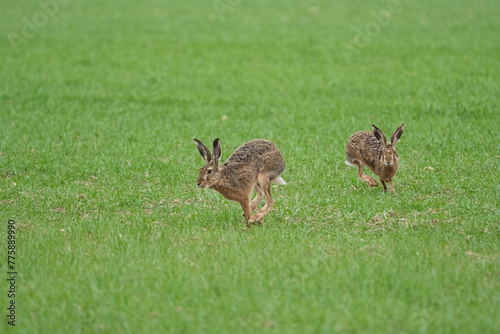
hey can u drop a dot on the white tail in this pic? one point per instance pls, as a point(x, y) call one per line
point(350, 164)
point(278, 180)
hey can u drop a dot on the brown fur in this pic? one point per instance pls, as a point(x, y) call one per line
point(371, 148)
point(251, 166)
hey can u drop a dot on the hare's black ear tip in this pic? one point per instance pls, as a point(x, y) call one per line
point(217, 140)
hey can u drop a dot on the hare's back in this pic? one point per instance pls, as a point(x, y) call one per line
point(363, 146)
point(364, 139)
point(361, 137)
point(255, 150)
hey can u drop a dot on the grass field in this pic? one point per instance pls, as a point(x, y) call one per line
point(99, 105)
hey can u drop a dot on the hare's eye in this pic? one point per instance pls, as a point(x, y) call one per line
point(209, 171)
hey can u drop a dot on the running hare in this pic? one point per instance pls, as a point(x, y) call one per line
point(254, 165)
point(372, 149)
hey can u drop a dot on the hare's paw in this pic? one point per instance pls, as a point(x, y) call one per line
point(257, 219)
point(372, 182)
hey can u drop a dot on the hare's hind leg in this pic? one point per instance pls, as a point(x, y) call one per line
point(258, 197)
point(365, 178)
point(265, 184)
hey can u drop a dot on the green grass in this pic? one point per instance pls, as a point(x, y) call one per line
point(98, 168)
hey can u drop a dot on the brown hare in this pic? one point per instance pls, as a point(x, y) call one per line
point(254, 165)
point(372, 149)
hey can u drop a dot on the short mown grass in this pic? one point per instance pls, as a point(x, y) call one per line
point(98, 111)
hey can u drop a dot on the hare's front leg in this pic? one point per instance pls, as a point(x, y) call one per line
point(391, 187)
point(243, 197)
point(247, 213)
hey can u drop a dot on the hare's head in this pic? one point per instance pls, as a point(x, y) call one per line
point(209, 174)
point(389, 155)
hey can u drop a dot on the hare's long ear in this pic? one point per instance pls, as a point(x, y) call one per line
point(217, 151)
point(397, 134)
point(379, 134)
point(205, 153)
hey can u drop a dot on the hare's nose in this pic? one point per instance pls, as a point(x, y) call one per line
point(388, 163)
point(199, 184)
